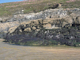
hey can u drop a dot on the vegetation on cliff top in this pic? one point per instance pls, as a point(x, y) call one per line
point(8, 9)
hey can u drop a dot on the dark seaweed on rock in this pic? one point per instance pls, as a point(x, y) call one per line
point(65, 36)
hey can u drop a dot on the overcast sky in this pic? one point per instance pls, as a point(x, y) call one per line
point(5, 1)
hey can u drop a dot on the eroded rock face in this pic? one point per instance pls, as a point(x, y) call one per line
point(49, 27)
point(49, 19)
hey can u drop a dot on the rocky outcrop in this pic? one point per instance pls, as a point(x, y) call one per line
point(49, 27)
point(65, 36)
point(48, 19)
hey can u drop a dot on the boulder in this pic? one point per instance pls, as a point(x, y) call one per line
point(20, 31)
point(47, 26)
point(27, 30)
point(12, 29)
point(77, 21)
point(33, 28)
point(64, 23)
point(73, 15)
point(67, 20)
point(60, 5)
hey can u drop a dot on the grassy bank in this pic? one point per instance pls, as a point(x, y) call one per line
point(8, 9)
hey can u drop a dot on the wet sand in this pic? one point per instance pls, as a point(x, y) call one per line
point(16, 52)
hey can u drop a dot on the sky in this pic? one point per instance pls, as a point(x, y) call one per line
point(5, 1)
